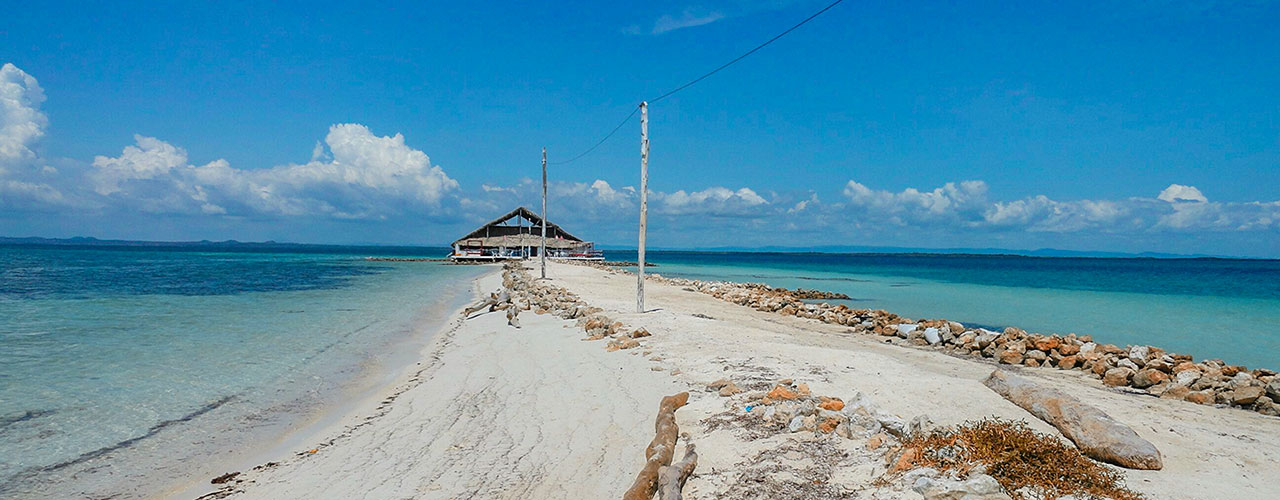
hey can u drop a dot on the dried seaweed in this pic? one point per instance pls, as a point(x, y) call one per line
point(1021, 459)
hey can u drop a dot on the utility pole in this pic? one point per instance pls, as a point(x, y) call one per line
point(542, 252)
point(644, 201)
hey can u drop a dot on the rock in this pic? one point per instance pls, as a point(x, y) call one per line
point(1185, 366)
point(1037, 355)
point(985, 337)
point(1140, 353)
point(640, 333)
point(1117, 377)
point(875, 441)
point(780, 392)
point(1148, 377)
point(1068, 349)
point(832, 404)
point(1200, 397)
point(1047, 344)
point(729, 390)
point(1094, 433)
point(905, 329)
point(797, 424)
point(802, 390)
point(1175, 391)
point(828, 425)
point(1128, 363)
point(844, 431)
point(1247, 395)
point(1186, 377)
point(1273, 389)
point(977, 487)
point(1068, 362)
point(1008, 357)
point(718, 384)
point(931, 336)
point(919, 425)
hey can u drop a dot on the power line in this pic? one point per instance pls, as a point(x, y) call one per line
point(696, 80)
point(606, 137)
point(744, 56)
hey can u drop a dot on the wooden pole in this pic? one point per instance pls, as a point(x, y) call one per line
point(542, 252)
point(644, 202)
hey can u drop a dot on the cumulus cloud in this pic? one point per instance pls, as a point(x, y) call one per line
point(23, 181)
point(1178, 192)
point(968, 205)
point(367, 176)
point(21, 121)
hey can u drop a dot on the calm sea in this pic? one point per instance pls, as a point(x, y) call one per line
point(1210, 308)
point(122, 365)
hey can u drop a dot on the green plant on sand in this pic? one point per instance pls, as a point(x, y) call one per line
point(1018, 457)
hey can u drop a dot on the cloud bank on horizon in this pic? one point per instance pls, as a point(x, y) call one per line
point(356, 177)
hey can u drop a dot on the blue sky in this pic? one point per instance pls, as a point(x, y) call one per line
point(1118, 126)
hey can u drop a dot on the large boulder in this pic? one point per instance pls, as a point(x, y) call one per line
point(1095, 433)
point(1148, 377)
point(1117, 377)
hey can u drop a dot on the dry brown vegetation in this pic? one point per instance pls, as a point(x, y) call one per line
point(1019, 457)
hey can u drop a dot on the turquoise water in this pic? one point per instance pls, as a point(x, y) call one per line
point(1210, 308)
point(106, 355)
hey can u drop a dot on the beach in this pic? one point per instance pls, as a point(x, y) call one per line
point(494, 411)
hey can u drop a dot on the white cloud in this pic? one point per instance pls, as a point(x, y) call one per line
point(687, 19)
point(21, 121)
point(368, 177)
point(967, 206)
point(1178, 193)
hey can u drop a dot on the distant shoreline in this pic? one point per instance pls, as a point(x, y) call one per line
point(234, 245)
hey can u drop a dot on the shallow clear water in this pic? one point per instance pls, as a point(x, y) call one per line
point(1210, 308)
point(109, 351)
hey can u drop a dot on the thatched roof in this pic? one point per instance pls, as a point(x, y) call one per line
point(494, 233)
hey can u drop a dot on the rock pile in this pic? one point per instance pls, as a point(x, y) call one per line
point(1146, 368)
point(543, 298)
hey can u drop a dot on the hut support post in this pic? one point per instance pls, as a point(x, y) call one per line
point(542, 251)
point(644, 202)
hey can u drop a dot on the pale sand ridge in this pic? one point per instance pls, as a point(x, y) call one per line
point(539, 413)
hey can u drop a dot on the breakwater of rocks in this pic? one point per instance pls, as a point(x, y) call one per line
point(1138, 367)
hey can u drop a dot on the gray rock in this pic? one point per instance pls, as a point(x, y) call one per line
point(1273, 389)
point(1094, 433)
point(932, 336)
point(904, 330)
point(1127, 363)
point(1140, 353)
point(985, 337)
point(796, 425)
point(1187, 377)
point(1087, 348)
point(977, 487)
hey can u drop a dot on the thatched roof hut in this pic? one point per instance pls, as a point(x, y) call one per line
point(518, 234)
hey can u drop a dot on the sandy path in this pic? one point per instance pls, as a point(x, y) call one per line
point(503, 413)
point(538, 413)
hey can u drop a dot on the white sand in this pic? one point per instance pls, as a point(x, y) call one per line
point(497, 412)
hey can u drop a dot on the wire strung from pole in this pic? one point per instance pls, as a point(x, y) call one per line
point(744, 56)
point(694, 81)
point(606, 137)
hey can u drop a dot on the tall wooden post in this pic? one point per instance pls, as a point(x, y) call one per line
point(644, 201)
point(542, 252)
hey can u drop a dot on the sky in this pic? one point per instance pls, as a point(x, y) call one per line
point(1143, 126)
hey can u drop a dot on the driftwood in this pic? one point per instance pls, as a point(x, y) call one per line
point(1095, 433)
point(671, 478)
point(660, 450)
point(498, 301)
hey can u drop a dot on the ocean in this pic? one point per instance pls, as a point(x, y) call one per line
point(124, 368)
point(131, 364)
point(1209, 308)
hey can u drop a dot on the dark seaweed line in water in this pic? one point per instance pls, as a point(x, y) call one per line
point(9, 484)
point(5, 422)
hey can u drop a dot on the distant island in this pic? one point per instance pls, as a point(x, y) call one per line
point(86, 241)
